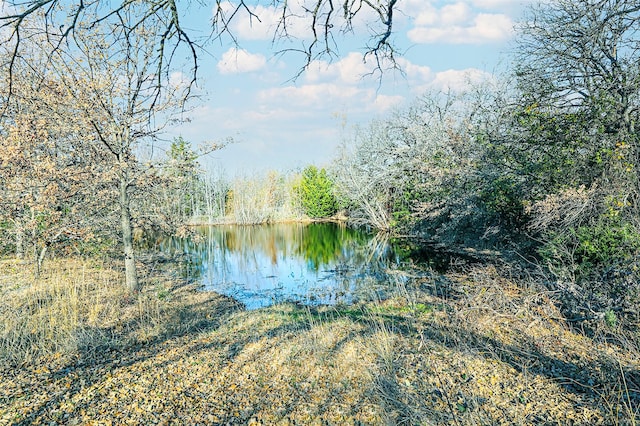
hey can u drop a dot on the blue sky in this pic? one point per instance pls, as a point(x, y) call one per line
point(247, 91)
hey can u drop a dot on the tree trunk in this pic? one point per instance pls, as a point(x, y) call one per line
point(19, 239)
point(40, 260)
point(130, 271)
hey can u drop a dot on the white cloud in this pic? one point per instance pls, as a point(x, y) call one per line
point(491, 4)
point(503, 4)
point(415, 73)
point(421, 78)
point(310, 95)
point(459, 80)
point(261, 26)
point(453, 14)
point(324, 98)
point(342, 85)
point(354, 70)
point(484, 28)
point(384, 103)
point(461, 22)
point(349, 70)
point(240, 61)
point(179, 80)
point(425, 14)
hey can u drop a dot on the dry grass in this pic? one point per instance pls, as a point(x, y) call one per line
point(69, 307)
point(77, 306)
point(481, 346)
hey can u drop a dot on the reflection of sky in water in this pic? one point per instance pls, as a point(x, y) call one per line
point(311, 264)
point(255, 279)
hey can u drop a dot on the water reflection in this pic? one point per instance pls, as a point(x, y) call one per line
point(261, 265)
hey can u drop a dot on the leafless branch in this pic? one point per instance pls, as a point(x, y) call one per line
point(61, 20)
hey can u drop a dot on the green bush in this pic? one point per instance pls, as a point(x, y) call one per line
point(502, 198)
point(594, 248)
point(602, 261)
point(402, 208)
point(315, 192)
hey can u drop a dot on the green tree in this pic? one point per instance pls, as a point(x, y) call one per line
point(316, 193)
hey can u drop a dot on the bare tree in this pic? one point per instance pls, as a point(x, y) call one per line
point(398, 167)
point(109, 73)
point(65, 20)
point(365, 171)
point(48, 174)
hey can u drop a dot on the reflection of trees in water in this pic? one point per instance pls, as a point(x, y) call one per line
point(317, 244)
point(188, 253)
point(365, 272)
point(348, 260)
point(323, 244)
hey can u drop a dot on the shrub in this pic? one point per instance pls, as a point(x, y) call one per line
point(502, 198)
point(595, 248)
point(316, 193)
point(599, 262)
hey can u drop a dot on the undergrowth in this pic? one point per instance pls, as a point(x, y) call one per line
point(77, 306)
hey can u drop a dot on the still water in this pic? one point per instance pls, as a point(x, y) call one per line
point(319, 263)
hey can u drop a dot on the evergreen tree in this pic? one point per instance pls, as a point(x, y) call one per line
point(316, 193)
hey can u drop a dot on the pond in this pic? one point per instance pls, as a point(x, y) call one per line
point(317, 263)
